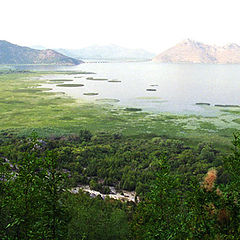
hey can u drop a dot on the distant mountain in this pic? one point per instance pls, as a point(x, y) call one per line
point(190, 51)
point(107, 52)
point(14, 54)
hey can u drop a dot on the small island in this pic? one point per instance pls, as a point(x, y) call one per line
point(203, 104)
point(90, 94)
point(114, 81)
point(96, 79)
point(151, 89)
point(70, 85)
point(227, 105)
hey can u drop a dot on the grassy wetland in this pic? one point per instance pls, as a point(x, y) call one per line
point(26, 106)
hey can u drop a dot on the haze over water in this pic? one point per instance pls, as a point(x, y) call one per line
point(180, 86)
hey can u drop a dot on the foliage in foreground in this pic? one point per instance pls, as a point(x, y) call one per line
point(31, 205)
point(35, 202)
point(203, 210)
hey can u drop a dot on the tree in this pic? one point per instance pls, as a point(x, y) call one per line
point(214, 211)
point(31, 197)
point(95, 218)
point(159, 215)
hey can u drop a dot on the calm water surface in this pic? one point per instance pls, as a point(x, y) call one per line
point(179, 86)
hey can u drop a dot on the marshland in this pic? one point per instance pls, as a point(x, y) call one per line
point(112, 140)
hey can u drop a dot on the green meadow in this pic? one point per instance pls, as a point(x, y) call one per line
point(25, 107)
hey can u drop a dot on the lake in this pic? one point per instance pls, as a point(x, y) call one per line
point(172, 88)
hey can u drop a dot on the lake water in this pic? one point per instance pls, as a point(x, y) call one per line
point(178, 86)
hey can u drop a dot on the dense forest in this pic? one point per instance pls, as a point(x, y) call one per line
point(182, 192)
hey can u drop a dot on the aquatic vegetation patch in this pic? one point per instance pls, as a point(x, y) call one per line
point(96, 79)
point(66, 118)
point(131, 109)
point(56, 80)
point(227, 105)
point(203, 104)
point(207, 125)
point(114, 81)
point(70, 85)
point(6, 101)
point(151, 89)
point(230, 111)
point(108, 100)
point(74, 73)
point(90, 94)
point(31, 90)
point(236, 120)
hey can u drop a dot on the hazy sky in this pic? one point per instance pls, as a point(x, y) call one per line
point(152, 24)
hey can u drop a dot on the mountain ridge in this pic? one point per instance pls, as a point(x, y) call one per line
point(110, 51)
point(190, 51)
point(14, 54)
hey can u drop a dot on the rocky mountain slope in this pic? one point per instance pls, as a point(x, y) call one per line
point(14, 54)
point(190, 51)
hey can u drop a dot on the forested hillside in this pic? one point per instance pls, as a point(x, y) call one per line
point(181, 192)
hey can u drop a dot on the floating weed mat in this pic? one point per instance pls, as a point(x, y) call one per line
point(90, 94)
point(108, 100)
point(60, 80)
point(70, 85)
point(96, 79)
point(114, 81)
